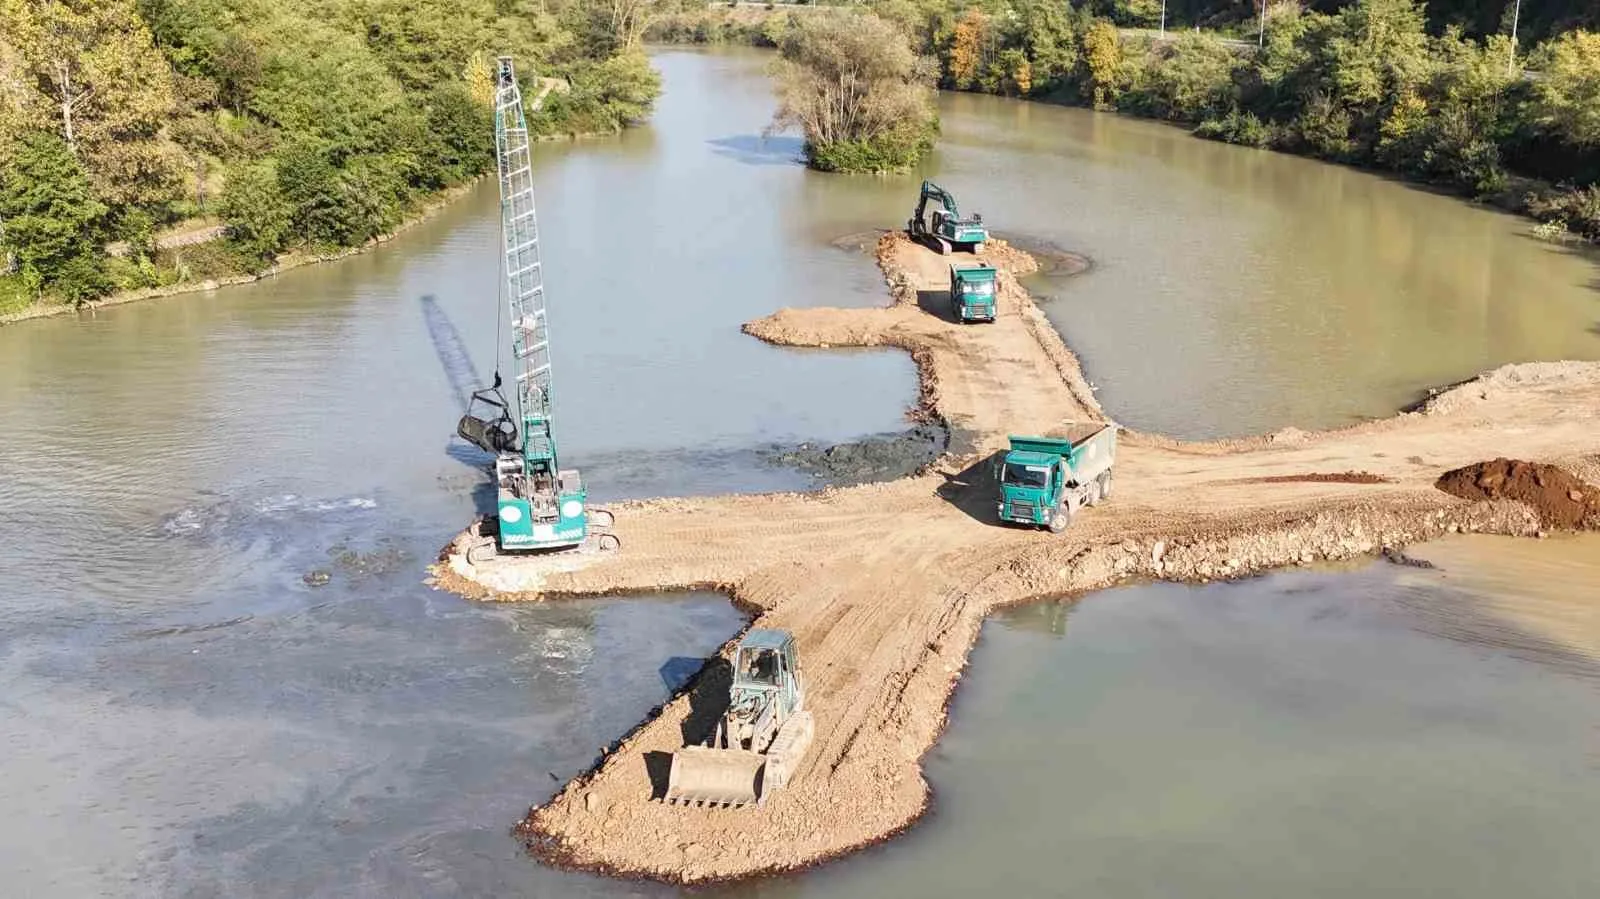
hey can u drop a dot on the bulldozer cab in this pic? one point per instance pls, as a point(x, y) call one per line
point(758, 668)
point(766, 662)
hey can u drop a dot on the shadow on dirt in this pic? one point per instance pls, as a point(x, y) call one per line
point(936, 303)
point(973, 491)
point(708, 701)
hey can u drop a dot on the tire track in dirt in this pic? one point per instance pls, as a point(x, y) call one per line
point(886, 585)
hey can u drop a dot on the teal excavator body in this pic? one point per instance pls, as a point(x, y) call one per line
point(944, 227)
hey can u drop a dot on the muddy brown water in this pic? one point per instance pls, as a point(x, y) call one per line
point(184, 716)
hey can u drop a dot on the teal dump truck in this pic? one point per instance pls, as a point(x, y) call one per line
point(972, 293)
point(1044, 481)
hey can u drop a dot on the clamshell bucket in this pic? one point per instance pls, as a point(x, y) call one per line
point(492, 435)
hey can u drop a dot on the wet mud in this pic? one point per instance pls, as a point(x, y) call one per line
point(880, 457)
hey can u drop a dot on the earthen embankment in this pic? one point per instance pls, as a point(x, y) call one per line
point(886, 585)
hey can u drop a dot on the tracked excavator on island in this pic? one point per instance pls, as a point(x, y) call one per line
point(539, 505)
point(757, 745)
point(944, 228)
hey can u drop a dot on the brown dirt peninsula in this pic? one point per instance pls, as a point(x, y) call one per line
point(885, 585)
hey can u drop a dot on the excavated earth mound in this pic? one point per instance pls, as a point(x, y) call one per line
point(1561, 500)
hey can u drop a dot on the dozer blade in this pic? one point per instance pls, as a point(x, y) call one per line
point(702, 776)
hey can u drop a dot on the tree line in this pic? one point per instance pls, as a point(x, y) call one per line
point(1376, 83)
point(296, 123)
point(1437, 92)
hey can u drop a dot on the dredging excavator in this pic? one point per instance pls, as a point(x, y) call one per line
point(539, 505)
point(758, 743)
point(944, 228)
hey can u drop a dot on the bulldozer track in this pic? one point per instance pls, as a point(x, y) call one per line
point(885, 586)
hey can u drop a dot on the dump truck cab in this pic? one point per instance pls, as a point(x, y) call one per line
point(1044, 481)
point(972, 293)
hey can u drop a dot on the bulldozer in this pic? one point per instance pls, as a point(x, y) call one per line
point(945, 229)
point(758, 743)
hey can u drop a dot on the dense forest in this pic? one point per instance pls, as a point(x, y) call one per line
point(292, 123)
point(1431, 91)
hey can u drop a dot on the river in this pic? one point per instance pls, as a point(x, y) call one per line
point(185, 716)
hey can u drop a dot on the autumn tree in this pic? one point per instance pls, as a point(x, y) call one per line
point(1102, 62)
point(96, 80)
point(967, 48)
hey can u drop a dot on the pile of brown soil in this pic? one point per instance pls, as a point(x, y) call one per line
point(1561, 500)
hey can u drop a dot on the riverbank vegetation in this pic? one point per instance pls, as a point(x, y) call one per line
point(1435, 92)
point(312, 124)
point(851, 84)
point(1373, 83)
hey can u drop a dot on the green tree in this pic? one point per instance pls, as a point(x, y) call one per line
point(1567, 96)
point(1050, 43)
point(627, 86)
point(52, 219)
point(309, 185)
point(1190, 79)
point(256, 216)
point(322, 83)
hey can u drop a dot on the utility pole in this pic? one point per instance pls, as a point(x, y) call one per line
point(1163, 18)
point(1261, 35)
point(1511, 60)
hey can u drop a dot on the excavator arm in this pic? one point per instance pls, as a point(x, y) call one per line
point(931, 191)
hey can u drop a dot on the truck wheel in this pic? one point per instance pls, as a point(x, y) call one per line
point(1091, 494)
point(1060, 519)
point(1105, 485)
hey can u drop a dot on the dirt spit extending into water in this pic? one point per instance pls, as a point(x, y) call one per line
point(885, 585)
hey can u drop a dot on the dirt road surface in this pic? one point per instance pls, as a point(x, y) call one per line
point(885, 585)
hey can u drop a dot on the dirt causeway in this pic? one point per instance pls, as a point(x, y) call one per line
point(885, 585)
